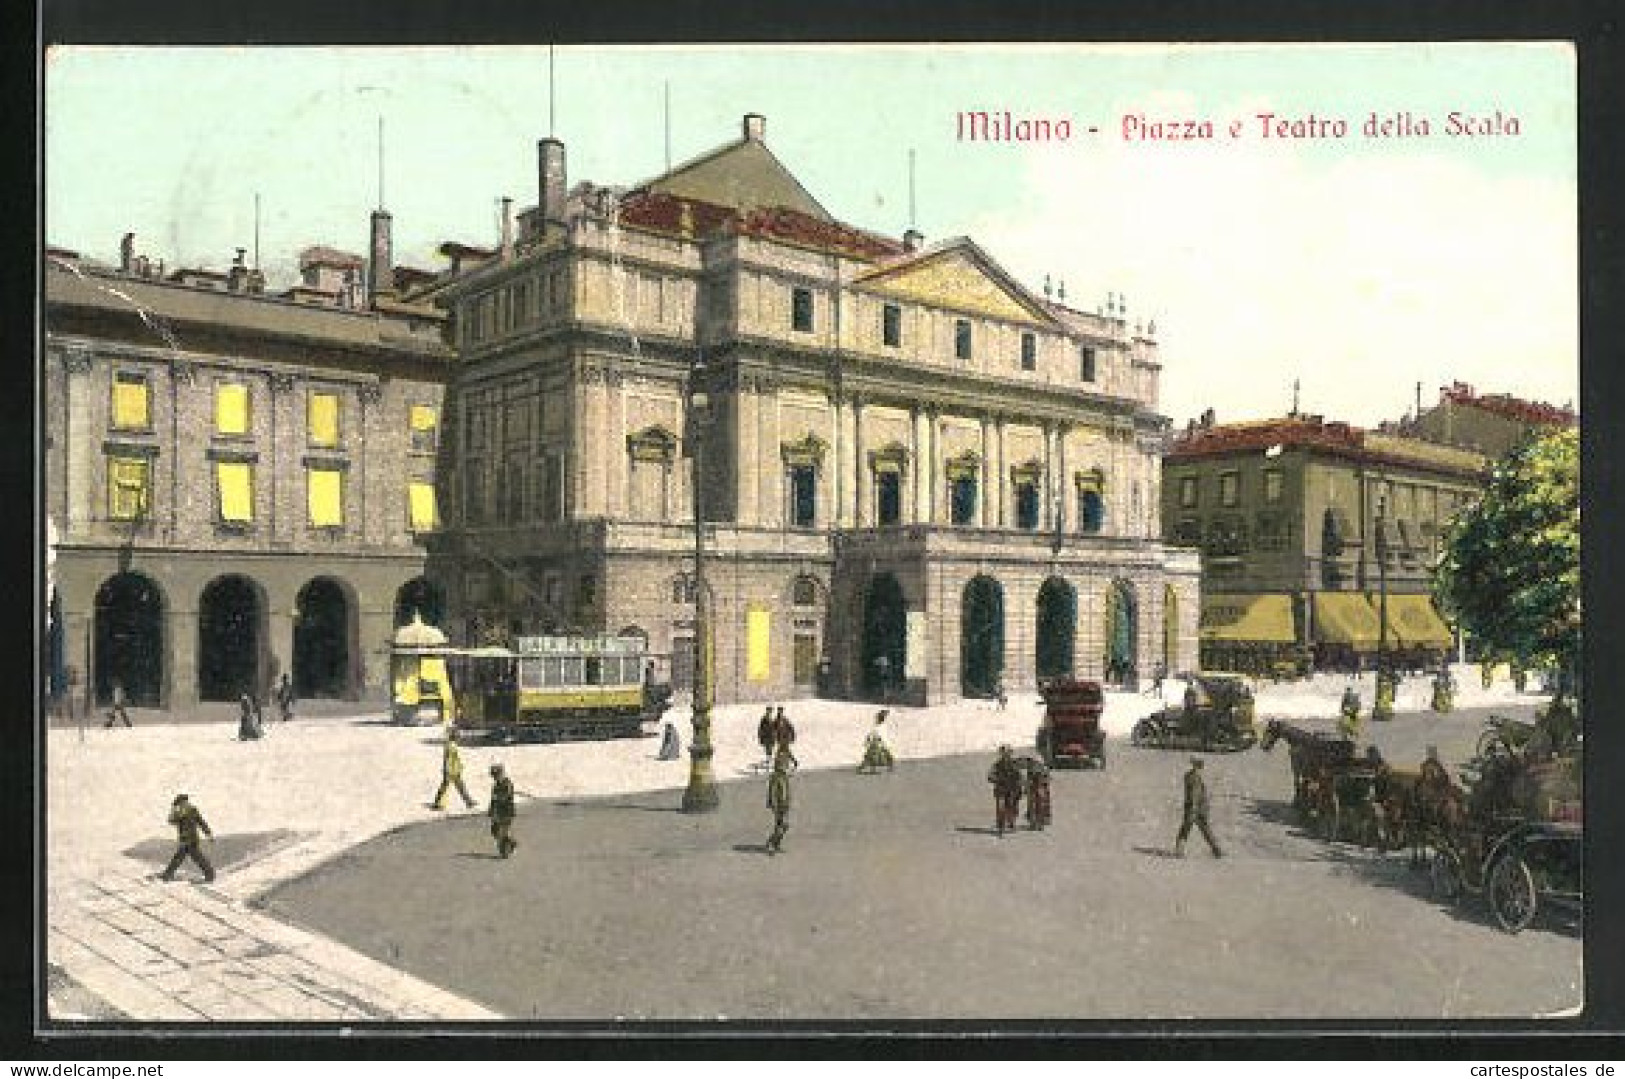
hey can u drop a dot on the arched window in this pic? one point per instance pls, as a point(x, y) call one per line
point(1091, 487)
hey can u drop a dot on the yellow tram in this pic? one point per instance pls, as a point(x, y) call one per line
point(557, 687)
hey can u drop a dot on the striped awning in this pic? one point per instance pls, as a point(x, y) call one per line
point(1416, 623)
point(1345, 618)
point(1264, 619)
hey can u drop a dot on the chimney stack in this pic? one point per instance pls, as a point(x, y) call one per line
point(913, 239)
point(381, 264)
point(550, 180)
point(507, 228)
point(126, 252)
point(755, 127)
point(237, 276)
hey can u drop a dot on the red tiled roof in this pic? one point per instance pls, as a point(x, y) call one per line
point(1513, 408)
point(663, 212)
point(1304, 432)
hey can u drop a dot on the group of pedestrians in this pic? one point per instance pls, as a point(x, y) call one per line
point(1012, 779)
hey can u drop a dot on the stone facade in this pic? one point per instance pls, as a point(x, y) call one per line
point(872, 410)
point(198, 570)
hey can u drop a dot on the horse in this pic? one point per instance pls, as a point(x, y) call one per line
point(1316, 760)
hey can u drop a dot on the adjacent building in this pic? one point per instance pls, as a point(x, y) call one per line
point(236, 484)
point(1493, 424)
point(917, 478)
point(1310, 532)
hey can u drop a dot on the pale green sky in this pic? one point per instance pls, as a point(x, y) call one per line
point(1402, 260)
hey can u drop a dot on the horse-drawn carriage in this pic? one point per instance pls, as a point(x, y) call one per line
point(1335, 791)
point(1216, 717)
point(1517, 839)
point(1070, 735)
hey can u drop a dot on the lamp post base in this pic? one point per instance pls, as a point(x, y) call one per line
point(700, 796)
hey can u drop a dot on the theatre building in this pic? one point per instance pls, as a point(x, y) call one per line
point(235, 482)
point(918, 479)
point(1309, 531)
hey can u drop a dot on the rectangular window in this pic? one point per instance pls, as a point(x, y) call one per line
point(801, 310)
point(962, 338)
point(230, 409)
point(758, 644)
point(423, 515)
point(1029, 352)
point(129, 491)
point(324, 494)
point(323, 419)
point(234, 484)
point(1187, 492)
point(888, 497)
point(803, 496)
point(1027, 505)
point(1229, 488)
point(132, 404)
point(805, 647)
point(1272, 485)
point(962, 498)
point(1086, 364)
point(424, 421)
point(891, 325)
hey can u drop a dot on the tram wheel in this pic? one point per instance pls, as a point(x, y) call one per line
point(1513, 896)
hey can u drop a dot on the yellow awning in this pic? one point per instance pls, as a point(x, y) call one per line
point(1415, 622)
point(1264, 619)
point(1345, 618)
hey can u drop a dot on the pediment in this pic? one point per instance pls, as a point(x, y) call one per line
point(959, 278)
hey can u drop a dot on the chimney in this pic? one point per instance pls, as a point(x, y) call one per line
point(381, 264)
point(755, 127)
point(913, 239)
point(126, 252)
point(507, 228)
point(237, 276)
point(550, 179)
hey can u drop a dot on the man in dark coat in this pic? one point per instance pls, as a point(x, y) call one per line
point(190, 828)
point(502, 811)
point(765, 733)
point(1195, 811)
point(1007, 780)
point(784, 734)
point(284, 697)
point(778, 797)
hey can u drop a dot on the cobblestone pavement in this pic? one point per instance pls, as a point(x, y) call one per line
point(122, 945)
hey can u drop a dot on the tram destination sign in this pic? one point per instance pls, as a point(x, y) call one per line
point(577, 646)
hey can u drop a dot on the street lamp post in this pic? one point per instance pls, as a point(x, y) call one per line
point(701, 794)
point(1383, 703)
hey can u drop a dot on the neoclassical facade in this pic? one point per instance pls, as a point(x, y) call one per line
point(236, 484)
point(918, 479)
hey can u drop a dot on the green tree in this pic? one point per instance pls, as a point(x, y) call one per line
point(1510, 573)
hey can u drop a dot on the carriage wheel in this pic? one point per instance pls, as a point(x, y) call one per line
point(1445, 876)
point(1143, 733)
point(1513, 897)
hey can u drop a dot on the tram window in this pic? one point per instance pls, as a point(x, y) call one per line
point(552, 674)
point(570, 668)
point(595, 671)
point(530, 673)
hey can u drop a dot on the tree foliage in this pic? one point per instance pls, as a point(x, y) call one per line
point(1510, 573)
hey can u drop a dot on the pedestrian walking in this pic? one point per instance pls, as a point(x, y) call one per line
point(1000, 697)
point(784, 734)
point(1196, 807)
point(1007, 780)
point(765, 735)
point(501, 811)
point(1038, 804)
point(249, 726)
point(778, 797)
point(190, 828)
point(1348, 723)
point(1192, 700)
point(284, 697)
point(451, 773)
point(671, 746)
point(1158, 674)
point(118, 712)
point(876, 754)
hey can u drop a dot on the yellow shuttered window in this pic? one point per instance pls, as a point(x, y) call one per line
point(127, 482)
point(231, 409)
point(235, 480)
point(324, 419)
point(325, 493)
point(131, 404)
point(421, 507)
point(424, 419)
point(758, 639)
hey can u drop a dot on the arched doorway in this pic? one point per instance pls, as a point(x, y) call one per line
point(423, 596)
point(129, 640)
point(230, 639)
point(1057, 629)
point(981, 638)
point(885, 636)
point(1170, 629)
point(323, 636)
point(1121, 632)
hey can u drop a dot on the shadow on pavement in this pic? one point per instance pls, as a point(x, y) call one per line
point(636, 808)
point(970, 829)
point(226, 852)
point(750, 848)
point(1154, 852)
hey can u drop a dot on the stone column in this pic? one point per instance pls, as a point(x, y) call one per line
point(180, 626)
point(80, 442)
point(920, 451)
point(748, 454)
point(1001, 476)
point(286, 473)
point(862, 515)
point(984, 486)
point(617, 467)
